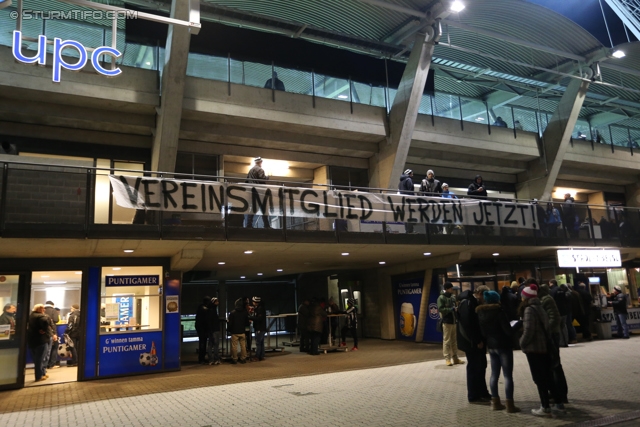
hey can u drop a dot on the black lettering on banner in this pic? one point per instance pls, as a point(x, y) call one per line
point(423, 207)
point(398, 211)
point(213, 198)
point(475, 218)
point(292, 192)
point(512, 209)
point(203, 197)
point(341, 206)
point(522, 209)
point(133, 195)
point(167, 193)
point(368, 211)
point(457, 212)
point(148, 193)
point(243, 202)
point(186, 195)
point(411, 210)
point(313, 208)
point(435, 217)
point(264, 204)
point(533, 216)
point(326, 212)
point(445, 212)
point(348, 198)
point(498, 206)
point(487, 214)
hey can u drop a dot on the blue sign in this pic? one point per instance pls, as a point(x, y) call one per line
point(58, 62)
point(122, 354)
point(125, 310)
point(132, 281)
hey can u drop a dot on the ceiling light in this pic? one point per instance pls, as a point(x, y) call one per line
point(44, 276)
point(259, 274)
point(427, 253)
point(382, 263)
point(128, 251)
point(221, 263)
point(457, 6)
point(147, 63)
point(116, 268)
point(78, 272)
point(345, 253)
point(480, 119)
point(343, 97)
point(618, 54)
point(279, 270)
point(55, 282)
point(495, 254)
point(243, 277)
point(248, 252)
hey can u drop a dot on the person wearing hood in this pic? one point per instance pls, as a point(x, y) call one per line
point(555, 321)
point(618, 301)
point(202, 329)
point(533, 342)
point(54, 318)
point(496, 330)
point(471, 341)
point(563, 304)
point(477, 188)
point(447, 308)
point(430, 186)
point(406, 187)
point(500, 123)
point(75, 333)
point(238, 321)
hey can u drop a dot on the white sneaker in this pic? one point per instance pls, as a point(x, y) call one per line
point(558, 409)
point(542, 412)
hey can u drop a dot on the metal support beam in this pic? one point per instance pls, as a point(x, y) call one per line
point(539, 180)
point(165, 141)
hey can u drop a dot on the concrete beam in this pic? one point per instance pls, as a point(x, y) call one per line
point(542, 174)
point(445, 158)
point(186, 259)
point(165, 142)
point(428, 263)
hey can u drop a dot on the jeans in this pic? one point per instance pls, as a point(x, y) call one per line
point(476, 372)
point(74, 352)
point(260, 344)
point(305, 339)
point(235, 340)
point(213, 346)
point(40, 353)
point(53, 354)
point(542, 374)
point(47, 354)
point(623, 328)
point(501, 358)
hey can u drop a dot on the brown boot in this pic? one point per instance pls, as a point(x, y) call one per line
point(496, 405)
point(511, 408)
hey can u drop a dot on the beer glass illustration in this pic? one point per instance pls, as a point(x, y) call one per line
point(407, 320)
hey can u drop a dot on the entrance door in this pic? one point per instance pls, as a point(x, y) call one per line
point(14, 302)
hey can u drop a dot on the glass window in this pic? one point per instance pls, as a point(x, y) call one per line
point(131, 299)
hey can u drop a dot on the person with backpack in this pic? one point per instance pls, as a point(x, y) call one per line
point(552, 220)
point(74, 332)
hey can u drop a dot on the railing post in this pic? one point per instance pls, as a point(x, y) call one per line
point(433, 117)
point(593, 234)
point(615, 216)
point(273, 82)
point(350, 95)
point(3, 201)
point(486, 108)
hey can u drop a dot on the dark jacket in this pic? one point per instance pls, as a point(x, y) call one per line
point(562, 300)
point(534, 325)
point(473, 188)
point(577, 308)
point(430, 187)
point(238, 319)
point(586, 298)
point(495, 326)
point(201, 318)
point(510, 303)
point(50, 311)
point(619, 303)
point(256, 175)
point(406, 185)
point(73, 325)
point(213, 319)
point(446, 307)
point(259, 318)
point(316, 317)
point(352, 317)
point(303, 317)
point(468, 331)
point(277, 84)
point(39, 330)
point(7, 319)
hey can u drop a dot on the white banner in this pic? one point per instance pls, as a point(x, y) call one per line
point(215, 197)
point(589, 258)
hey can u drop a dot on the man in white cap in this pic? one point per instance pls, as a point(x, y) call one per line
point(430, 186)
point(256, 175)
point(618, 301)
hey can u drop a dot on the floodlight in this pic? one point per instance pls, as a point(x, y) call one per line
point(457, 6)
point(617, 54)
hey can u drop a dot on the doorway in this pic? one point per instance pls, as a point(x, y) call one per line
point(60, 293)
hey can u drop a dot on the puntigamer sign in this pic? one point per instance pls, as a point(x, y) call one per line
point(59, 63)
point(589, 258)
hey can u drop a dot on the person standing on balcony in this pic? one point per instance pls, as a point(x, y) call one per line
point(274, 83)
point(517, 125)
point(500, 123)
point(406, 187)
point(430, 186)
point(446, 194)
point(256, 175)
point(569, 217)
point(477, 188)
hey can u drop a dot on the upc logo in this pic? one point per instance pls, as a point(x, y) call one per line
point(58, 62)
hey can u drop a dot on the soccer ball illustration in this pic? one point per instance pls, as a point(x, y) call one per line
point(145, 359)
point(64, 350)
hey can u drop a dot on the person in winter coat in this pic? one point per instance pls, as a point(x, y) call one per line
point(351, 324)
point(213, 327)
point(471, 341)
point(257, 175)
point(446, 194)
point(406, 187)
point(316, 319)
point(585, 321)
point(535, 326)
point(477, 188)
point(555, 320)
point(563, 304)
point(571, 330)
point(510, 301)
point(496, 330)
point(238, 321)
point(446, 308)
point(303, 330)
point(202, 329)
point(54, 318)
point(259, 319)
point(39, 335)
point(430, 186)
point(74, 332)
point(569, 216)
point(618, 301)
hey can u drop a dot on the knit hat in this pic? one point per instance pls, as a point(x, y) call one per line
point(617, 288)
point(257, 159)
point(445, 185)
point(430, 172)
point(530, 292)
point(491, 297)
point(351, 301)
point(214, 300)
point(408, 172)
point(256, 299)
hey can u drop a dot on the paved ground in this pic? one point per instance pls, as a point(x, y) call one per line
point(603, 377)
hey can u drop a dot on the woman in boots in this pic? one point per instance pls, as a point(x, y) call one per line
point(495, 327)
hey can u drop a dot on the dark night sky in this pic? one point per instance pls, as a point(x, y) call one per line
point(587, 14)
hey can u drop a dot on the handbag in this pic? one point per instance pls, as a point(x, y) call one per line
point(439, 325)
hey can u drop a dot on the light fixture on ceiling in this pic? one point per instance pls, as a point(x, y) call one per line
point(480, 119)
point(128, 251)
point(457, 6)
point(279, 270)
point(259, 274)
point(382, 263)
point(243, 277)
point(345, 253)
point(343, 97)
point(44, 276)
point(618, 54)
point(248, 252)
point(221, 263)
point(78, 272)
point(495, 254)
point(55, 282)
point(427, 253)
point(116, 268)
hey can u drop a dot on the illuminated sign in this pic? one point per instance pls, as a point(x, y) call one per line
point(58, 62)
point(589, 258)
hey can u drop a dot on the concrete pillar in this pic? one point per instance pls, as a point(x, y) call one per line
point(424, 304)
point(385, 297)
point(541, 175)
point(165, 140)
point(389, 163)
